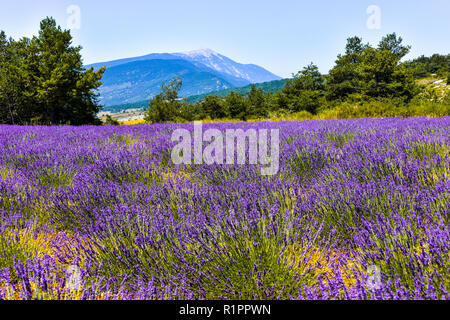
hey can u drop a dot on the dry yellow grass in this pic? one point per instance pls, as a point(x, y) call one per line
point(132, 122)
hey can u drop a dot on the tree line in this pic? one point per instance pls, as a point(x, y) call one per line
point(363, 75)
point(42, 80)
point(426, 66)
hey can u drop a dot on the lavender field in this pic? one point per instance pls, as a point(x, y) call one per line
point(358, 210)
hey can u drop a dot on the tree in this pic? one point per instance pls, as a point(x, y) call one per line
point(190, 111)
point(368, 72)
point(309, 78)
point(237, 106)
point(213, 107)
point(383, 73)
point(7, 112)
point(15, 106)
point(278, 102)
point(257, 103)
point(44, 80)
point(393, 44)
point(345, 79)
point(110, 121)
point(166, 106)
point(384, 77)
point(425, 66)
point(64, 89)
point(306, 91)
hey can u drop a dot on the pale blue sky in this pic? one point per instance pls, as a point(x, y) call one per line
point(282, 36)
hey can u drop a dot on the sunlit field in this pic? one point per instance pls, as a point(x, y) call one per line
point(358, 210)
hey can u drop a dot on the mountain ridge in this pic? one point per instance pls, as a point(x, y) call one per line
point(135, 79)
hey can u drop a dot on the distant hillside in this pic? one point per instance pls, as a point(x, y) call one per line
point(131, 80)
point(422, 66)
point(272, 86)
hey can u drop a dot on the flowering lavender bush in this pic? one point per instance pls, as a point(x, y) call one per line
point(358, 210)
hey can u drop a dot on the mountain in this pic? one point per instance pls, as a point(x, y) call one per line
point(139, 80)
point(249, 73)
point(136, 79)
